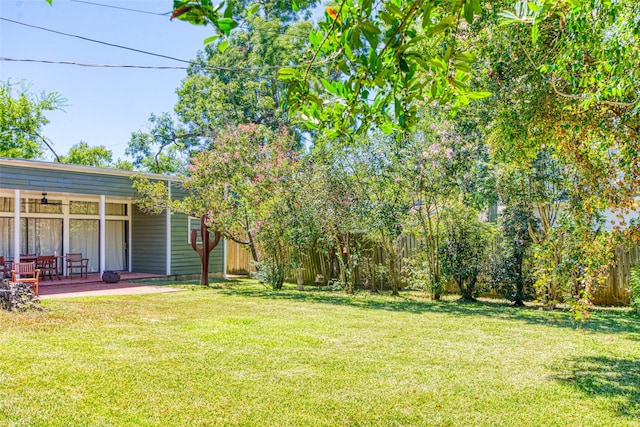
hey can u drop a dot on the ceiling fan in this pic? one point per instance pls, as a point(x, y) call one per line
point(45, 201)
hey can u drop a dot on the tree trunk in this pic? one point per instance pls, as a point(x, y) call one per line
point(467, 290)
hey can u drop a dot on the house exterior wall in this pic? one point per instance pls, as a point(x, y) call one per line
point(148, 243)
point(184, 260)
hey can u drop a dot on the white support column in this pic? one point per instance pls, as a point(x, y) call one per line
point(66, 240)
point(129, 238)
point(168, 234)
point(103, 235)
point(224, 258)
point(16, 226)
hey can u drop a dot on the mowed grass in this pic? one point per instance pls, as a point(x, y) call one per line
point(239, 354)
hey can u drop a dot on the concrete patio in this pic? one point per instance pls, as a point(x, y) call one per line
point(94, 286)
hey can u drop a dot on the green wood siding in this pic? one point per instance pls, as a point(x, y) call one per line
point(57, 180)
point(184, 260)
point(148, 243)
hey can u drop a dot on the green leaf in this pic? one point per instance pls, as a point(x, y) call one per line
point(395, 10)
point(478, 95)
point(226, 25)
point(437, 29)
point(223, 45)
point(468, 13)
point(228, 12)
point(465, 57)
point(449, 20)
point(477, 7)
point(288, 73)
point(253, 9)
point(211, 39)
point(386, 128)
point(534, 33)
point(328, 86)
point(438, 62)
point(387, 18)
point(369, 27)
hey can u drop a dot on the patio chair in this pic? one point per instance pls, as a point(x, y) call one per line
point(5, 267)
point(75, 261)
point(28, 257)
point(48, 265)
point(28, 273)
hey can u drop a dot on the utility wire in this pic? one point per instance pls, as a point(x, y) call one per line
point(244, 25)
point(121, 8)
point(81, 64)
point(159, 67)
point(95, 41)
point(206, 68)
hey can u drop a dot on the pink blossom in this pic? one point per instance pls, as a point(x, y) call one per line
point(449, 153)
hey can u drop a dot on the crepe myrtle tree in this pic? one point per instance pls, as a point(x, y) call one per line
point(232, 184)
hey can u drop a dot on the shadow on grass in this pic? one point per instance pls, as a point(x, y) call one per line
point(616, 379)
point(603, 320)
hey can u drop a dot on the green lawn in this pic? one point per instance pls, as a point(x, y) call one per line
point(239, 354)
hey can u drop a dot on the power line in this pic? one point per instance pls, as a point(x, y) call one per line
point(81, 64)
point(242, 24)
point(158, 67)
point(122, 8)
point(95, 41)
point(205, 68)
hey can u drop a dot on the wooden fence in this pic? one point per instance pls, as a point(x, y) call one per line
point(613, 292)
point(238, 259)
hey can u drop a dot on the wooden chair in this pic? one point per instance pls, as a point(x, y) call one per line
point(28, 257)
point(28, 274)
point(5, 267)
point(75, 261)
point(48, 265)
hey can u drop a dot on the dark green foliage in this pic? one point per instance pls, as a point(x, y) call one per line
point(510, 273)
point(22, 117)
point(464, 247)
point(634, 289)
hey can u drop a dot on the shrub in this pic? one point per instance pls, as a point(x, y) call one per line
point(634, 289)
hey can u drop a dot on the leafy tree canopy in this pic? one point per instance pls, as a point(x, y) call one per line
point(83, 154)
point(22, 117)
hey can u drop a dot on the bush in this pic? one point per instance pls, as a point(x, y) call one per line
point(464, 248)
point(634, 289)
point(270, 273)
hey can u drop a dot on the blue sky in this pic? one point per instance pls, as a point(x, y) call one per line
point(105, 105)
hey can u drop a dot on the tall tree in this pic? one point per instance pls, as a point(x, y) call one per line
point(233, 82)
point(82, 154)
point(236, 185)
point(22, 117)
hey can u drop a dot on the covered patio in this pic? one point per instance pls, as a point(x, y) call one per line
point(56, 211)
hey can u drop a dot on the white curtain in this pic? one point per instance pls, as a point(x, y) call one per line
point(84, 235)
point(6, 238)
point(41, 236)
point(115, 256)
